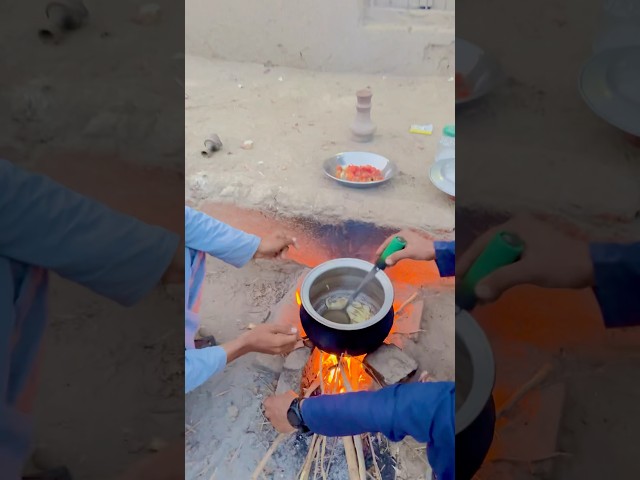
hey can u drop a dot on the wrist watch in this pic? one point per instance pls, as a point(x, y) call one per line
point(294, 415)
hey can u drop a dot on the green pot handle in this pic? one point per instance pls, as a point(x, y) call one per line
point(397, 243)
point(504, 249)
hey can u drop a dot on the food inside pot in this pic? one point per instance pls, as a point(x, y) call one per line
point(358, 312)
point(329, 291)
point(332, 308)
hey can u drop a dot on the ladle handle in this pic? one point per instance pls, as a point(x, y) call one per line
point(396, 244)
point(504, 249)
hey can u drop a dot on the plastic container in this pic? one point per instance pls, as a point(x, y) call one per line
point(447, 144)
point(619, 25)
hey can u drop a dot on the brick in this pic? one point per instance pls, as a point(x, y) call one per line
point(390, 365)
point(269, 363)
point(297, 359)
point(293, 369)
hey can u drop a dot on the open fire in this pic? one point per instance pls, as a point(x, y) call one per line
point(330, 374)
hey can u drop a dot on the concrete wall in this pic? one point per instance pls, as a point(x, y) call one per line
point(365, 36)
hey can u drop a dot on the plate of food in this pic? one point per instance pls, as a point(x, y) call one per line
point(359, 169)
point(477, 73)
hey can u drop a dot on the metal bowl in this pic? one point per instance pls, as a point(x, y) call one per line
point(608, 84)
point(480, 70)
point(443, 175)
point(359, 158)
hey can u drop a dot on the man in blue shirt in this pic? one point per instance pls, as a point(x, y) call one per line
point(45, 227)
point(206, 235)
point(424, 411)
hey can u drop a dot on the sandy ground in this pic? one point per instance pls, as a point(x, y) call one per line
point(297, 119)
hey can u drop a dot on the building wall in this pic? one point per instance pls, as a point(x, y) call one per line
point(365, 36)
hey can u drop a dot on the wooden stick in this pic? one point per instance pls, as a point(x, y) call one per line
point(352, 460)
point(306, 467)
point(357, 441)
point(317, 459)
point(538, 378)
point(407, 302)
point(333, 451)
point(378, 474)
point(312, 388)
point(324, 449)
point(258, 471)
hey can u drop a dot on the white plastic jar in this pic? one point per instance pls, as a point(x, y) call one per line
point(447, 144)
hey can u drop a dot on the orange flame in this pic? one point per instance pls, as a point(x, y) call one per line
point(298, 299)
point(357, 379)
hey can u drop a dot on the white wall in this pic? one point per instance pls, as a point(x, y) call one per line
point(329, 35)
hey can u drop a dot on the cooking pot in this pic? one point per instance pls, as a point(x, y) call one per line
point(343, 275)
point(475, 409)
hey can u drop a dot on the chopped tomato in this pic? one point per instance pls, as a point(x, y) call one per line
point(359, 173)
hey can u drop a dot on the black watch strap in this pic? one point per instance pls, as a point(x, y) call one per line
point(294, 415)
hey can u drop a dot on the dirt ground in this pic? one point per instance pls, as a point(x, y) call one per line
point(297, 119)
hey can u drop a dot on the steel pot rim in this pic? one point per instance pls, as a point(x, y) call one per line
point(340, 263)
point(482, 361)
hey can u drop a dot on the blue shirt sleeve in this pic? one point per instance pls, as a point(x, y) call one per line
point(445, 258)
point(617, 283)
point(206, 234)
point(44, 224)
point(425, 411)
point(201, 364)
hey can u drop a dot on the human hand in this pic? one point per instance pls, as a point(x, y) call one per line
point(265, 338)
point(276, 408)
point(271, 338)
point(418, 248)
point(550, 259)
point(274, 245)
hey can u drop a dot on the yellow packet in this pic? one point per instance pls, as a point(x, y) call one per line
point(421, 129)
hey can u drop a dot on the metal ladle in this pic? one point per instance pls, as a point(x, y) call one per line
point(340, 315)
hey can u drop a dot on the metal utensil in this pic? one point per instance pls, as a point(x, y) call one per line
point(340, 315)
point(344, 159)
point(608, 84)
